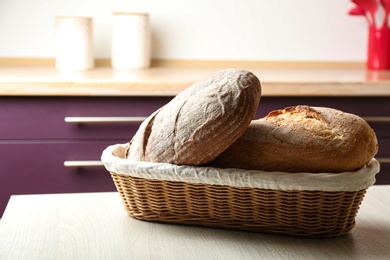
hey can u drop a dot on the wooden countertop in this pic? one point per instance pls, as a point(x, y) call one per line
point(168, 81)
point(96, 226)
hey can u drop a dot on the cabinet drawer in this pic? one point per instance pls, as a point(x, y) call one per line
point(33, 167)
point(383, 177)
point(44, 117)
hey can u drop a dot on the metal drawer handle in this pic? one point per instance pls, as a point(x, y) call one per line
point(140, 119)
point(383, 160)
point(83, 163)
point(377, 119)
point(100, 163)
point(100, 119)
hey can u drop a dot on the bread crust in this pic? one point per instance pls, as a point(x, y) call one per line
point(200, 122)
point(303, 139)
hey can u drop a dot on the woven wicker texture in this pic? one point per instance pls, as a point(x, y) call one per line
point(297, 213)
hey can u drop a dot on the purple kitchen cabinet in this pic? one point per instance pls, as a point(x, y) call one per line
point(42, 118)
point(38, 167)
point(35, 140)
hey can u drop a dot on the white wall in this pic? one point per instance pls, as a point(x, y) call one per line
point(286, 30)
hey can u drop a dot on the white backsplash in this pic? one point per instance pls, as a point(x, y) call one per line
point(285, 30)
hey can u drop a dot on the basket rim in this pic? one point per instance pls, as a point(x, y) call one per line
point(114, 161)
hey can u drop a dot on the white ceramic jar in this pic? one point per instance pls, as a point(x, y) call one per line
point(74, 43)
point(131, 43)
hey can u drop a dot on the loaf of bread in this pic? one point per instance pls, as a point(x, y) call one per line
point(200, 122)
point(303, 139)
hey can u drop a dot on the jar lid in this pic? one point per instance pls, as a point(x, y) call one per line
point(130, 13)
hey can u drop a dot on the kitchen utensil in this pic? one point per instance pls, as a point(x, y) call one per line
point(386, 6)
point(370, 6)
point(357, 10)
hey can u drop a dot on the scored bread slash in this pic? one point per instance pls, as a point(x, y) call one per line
point(200, 122)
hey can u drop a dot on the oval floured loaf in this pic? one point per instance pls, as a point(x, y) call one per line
point(200, 122)
point(303, 139)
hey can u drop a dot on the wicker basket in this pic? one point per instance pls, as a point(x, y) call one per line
point(309, 213)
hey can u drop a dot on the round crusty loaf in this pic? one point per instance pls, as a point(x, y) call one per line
point(200, 122)
point(303, 139)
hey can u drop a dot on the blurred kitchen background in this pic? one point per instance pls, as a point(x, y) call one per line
point(253, 30)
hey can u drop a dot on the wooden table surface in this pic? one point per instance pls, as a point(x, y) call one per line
point(95, 226)
point(168, 81)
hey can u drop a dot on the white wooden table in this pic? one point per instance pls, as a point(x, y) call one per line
point(95, 226)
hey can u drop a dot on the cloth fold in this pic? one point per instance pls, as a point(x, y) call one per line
point(114, 161)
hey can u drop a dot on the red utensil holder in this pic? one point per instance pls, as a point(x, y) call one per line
point(378, 48)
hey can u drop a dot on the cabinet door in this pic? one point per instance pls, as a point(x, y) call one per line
point(38, 167)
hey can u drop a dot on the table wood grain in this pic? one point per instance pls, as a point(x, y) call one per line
point(96, 226)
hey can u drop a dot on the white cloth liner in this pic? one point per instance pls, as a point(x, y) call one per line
point(345, 181)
